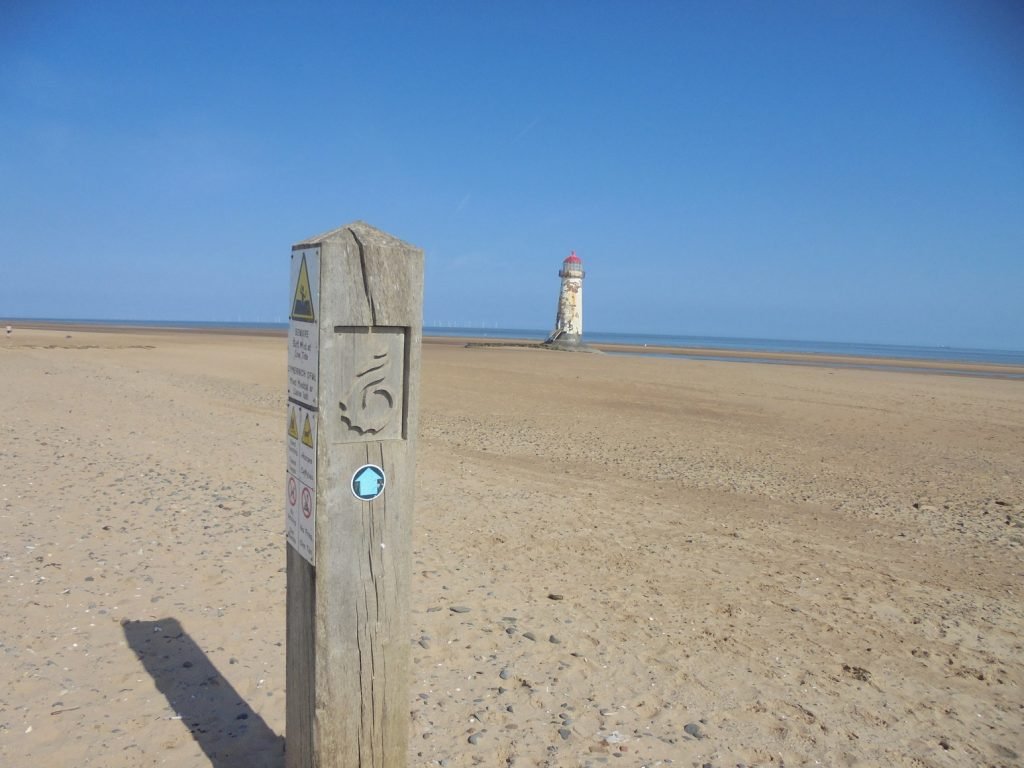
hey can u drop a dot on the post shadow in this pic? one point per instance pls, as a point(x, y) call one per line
point(230, 733)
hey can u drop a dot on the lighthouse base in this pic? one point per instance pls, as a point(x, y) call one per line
point(568, 342)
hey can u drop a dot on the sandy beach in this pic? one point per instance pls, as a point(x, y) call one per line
point(618, 560)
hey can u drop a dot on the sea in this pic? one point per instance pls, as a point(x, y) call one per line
point(1007, 357)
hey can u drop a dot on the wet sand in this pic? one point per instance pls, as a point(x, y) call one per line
point(712, 353)
point(654, 561)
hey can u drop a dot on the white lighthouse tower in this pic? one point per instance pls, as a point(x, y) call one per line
point(569, 319)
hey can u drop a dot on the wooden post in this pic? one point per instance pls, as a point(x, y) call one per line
point(353, 388)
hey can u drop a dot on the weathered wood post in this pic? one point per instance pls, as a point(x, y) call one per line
point(353, 385)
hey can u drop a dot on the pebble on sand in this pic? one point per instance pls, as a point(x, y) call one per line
point(694, 730)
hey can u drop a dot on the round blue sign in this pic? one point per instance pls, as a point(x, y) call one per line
point(368, 482)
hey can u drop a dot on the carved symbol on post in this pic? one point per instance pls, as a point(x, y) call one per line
point(369, 405)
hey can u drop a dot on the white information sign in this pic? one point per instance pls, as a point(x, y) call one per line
point(300, 493)
point(303, 370)
point(303, 328)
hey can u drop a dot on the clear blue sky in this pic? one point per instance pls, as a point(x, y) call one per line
point(830, 171)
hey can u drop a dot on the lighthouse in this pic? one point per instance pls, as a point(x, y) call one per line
point(569, 318)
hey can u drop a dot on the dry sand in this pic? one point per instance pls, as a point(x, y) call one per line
point(755, 565)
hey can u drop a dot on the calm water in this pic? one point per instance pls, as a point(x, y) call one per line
point(950, 354)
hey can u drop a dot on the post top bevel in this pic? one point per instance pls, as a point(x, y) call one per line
point(366, 233)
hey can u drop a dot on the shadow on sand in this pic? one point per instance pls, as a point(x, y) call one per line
point(231, 734)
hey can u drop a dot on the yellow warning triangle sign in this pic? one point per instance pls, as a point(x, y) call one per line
point(307, 433)
point(302, 304)
point(293, 428)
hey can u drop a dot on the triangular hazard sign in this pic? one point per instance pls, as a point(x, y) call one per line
point(307, 433)
point(302, 304)
point(293, 428)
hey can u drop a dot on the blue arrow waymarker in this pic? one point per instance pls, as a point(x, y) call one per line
point(368, 482)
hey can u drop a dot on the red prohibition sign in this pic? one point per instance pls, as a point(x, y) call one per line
point(293, 493)
point(307, 503)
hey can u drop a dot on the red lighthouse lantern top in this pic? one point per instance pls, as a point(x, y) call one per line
point(572, 258)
